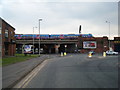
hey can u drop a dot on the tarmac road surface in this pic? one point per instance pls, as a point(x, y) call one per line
point(76, 71)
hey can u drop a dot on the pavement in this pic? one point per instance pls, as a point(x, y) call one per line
point(13, 73)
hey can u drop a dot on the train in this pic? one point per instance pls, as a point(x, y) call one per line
point(50, 36)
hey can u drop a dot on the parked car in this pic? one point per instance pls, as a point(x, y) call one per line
point(92, 52)
point(111, 52)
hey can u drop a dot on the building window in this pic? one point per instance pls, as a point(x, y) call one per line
point(11, 32)
point(0, 29)
point(6, 33)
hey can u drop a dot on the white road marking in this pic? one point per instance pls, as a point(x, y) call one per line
point(24, 82)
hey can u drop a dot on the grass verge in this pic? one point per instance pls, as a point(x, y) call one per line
point(17, 58)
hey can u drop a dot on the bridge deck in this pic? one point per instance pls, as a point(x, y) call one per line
point(47, 41)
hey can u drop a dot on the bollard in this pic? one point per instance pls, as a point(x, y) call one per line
point(65, 53)
point(104, 54)
point(89, 55)
point(61, 54)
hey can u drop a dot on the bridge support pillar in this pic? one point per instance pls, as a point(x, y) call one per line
point(56, 48)
point(49, 50)
point(23, 48)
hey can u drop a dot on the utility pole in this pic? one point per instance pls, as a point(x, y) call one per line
point(39, 36)
point(33, 39)
point(109, 33)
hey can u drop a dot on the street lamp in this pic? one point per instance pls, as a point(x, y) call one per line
point(39, 35)
point(33, 39)
point(109, 32)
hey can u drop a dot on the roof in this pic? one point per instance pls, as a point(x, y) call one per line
point(7, 23)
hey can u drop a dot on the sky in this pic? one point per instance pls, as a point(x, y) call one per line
point(62, 16)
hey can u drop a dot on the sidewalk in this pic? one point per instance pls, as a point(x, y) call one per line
point(11, 74)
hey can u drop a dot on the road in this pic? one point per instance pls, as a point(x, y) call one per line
point(77, 71)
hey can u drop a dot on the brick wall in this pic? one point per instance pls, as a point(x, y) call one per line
point(102, 44)
point(8, 46)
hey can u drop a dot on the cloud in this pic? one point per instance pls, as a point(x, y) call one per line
point(61, 17)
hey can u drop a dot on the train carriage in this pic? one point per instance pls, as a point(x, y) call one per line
point(52, 36)
point(56, 36)
point(42, 36)
point(18, 36)
point(71, 36)
point(86, 35)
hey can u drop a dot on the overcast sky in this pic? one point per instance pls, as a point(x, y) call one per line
point(61, 17)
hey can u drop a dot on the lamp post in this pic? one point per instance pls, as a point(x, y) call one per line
point(33, 39)
point(39, 35)
point(109, 32)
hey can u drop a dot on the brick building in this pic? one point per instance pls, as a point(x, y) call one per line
point(7, 38)
point(97, 44)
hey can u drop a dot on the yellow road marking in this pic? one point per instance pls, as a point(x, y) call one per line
point(25, 81)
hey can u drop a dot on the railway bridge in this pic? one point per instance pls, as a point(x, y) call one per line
point(49, 46)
